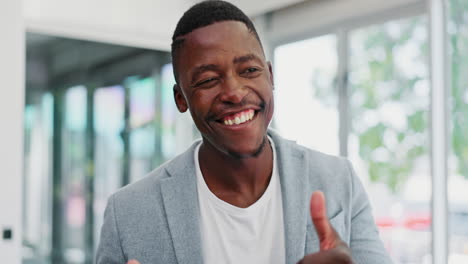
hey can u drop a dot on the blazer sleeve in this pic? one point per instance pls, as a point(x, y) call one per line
point(110, 249)
point(365, 243)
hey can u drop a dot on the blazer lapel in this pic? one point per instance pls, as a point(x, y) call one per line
point(293, 169)
point(181, 205)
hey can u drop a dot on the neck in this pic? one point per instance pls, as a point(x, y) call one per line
point(237, 180)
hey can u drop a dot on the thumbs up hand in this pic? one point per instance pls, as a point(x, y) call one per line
point(332, 248)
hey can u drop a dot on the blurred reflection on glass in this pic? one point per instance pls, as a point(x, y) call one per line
point(143, 127)
point(178, 130)
point(108, 124)
point(37, 209)
point(73, 174)
point(169, 111)
point(389, 103)
point(142, 101)
point(79, 140)
point(458, 152)
point(306, 108)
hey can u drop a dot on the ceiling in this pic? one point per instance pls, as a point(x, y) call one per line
point(142, 23)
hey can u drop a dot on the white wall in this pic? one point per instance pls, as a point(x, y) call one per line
point(11, 126)
point(142, 23)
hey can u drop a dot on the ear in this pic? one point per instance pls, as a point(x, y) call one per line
point(272, 79)
point(179, 99)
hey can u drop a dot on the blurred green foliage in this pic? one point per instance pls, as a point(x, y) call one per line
point(389, 100)
point(458, 34)
point(389, 92)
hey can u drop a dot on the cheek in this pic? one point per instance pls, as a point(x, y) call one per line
point(266, 90)
point(268, 96)
point(201, 101)
point(205, 100)
point(271, 109)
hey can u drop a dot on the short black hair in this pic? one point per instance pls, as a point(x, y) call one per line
point(203, 14)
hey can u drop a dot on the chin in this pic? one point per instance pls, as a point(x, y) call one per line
point(241, 152)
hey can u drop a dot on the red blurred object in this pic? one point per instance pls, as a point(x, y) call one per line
point(385, 222)
point(421, 221)
point(418, 222)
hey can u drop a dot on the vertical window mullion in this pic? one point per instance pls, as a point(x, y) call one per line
point(439, 127)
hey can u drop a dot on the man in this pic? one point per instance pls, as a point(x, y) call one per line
point(241, 195)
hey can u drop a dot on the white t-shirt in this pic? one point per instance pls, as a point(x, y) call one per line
point(235, 235)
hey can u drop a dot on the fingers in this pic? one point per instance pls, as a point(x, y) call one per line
point(332, 249)
point(132, 261)
point(338, 255)
point(318, 212)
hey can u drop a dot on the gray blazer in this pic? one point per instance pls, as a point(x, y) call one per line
point(155, 220)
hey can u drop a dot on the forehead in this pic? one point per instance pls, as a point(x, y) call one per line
point(221, 39)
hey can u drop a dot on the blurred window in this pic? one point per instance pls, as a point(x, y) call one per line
point(144, 124)
point(108, 126)
point(388, 142)
point(458, 151)
point(73, 174)
point(37, 189)
point(169, 112)
point(388, 103)
point(83, 142)
point(305, 96)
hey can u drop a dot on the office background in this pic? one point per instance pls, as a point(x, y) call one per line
point(87, 107)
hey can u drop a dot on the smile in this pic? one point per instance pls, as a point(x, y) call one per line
point(238, 118)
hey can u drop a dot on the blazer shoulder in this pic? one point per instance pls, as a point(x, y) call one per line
point(150, 184)
point(327, 171)
point(321, 165)
point(320, 160)
point(141, 191)
point(145, 187)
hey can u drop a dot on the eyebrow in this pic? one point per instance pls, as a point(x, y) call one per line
point(246, 58)
point(201, 69)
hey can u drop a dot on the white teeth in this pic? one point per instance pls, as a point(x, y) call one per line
point(242, 118)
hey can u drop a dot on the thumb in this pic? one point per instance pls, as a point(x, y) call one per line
point(318, 211)
point(132, 261)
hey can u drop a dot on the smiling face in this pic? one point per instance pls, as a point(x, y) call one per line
point(226, 83)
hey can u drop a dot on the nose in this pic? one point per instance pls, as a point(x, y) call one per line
point(233, 90)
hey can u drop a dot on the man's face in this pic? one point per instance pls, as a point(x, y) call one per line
point(227, 85)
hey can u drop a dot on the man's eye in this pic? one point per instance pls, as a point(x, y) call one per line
point(251, 70)
point(206, 81)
